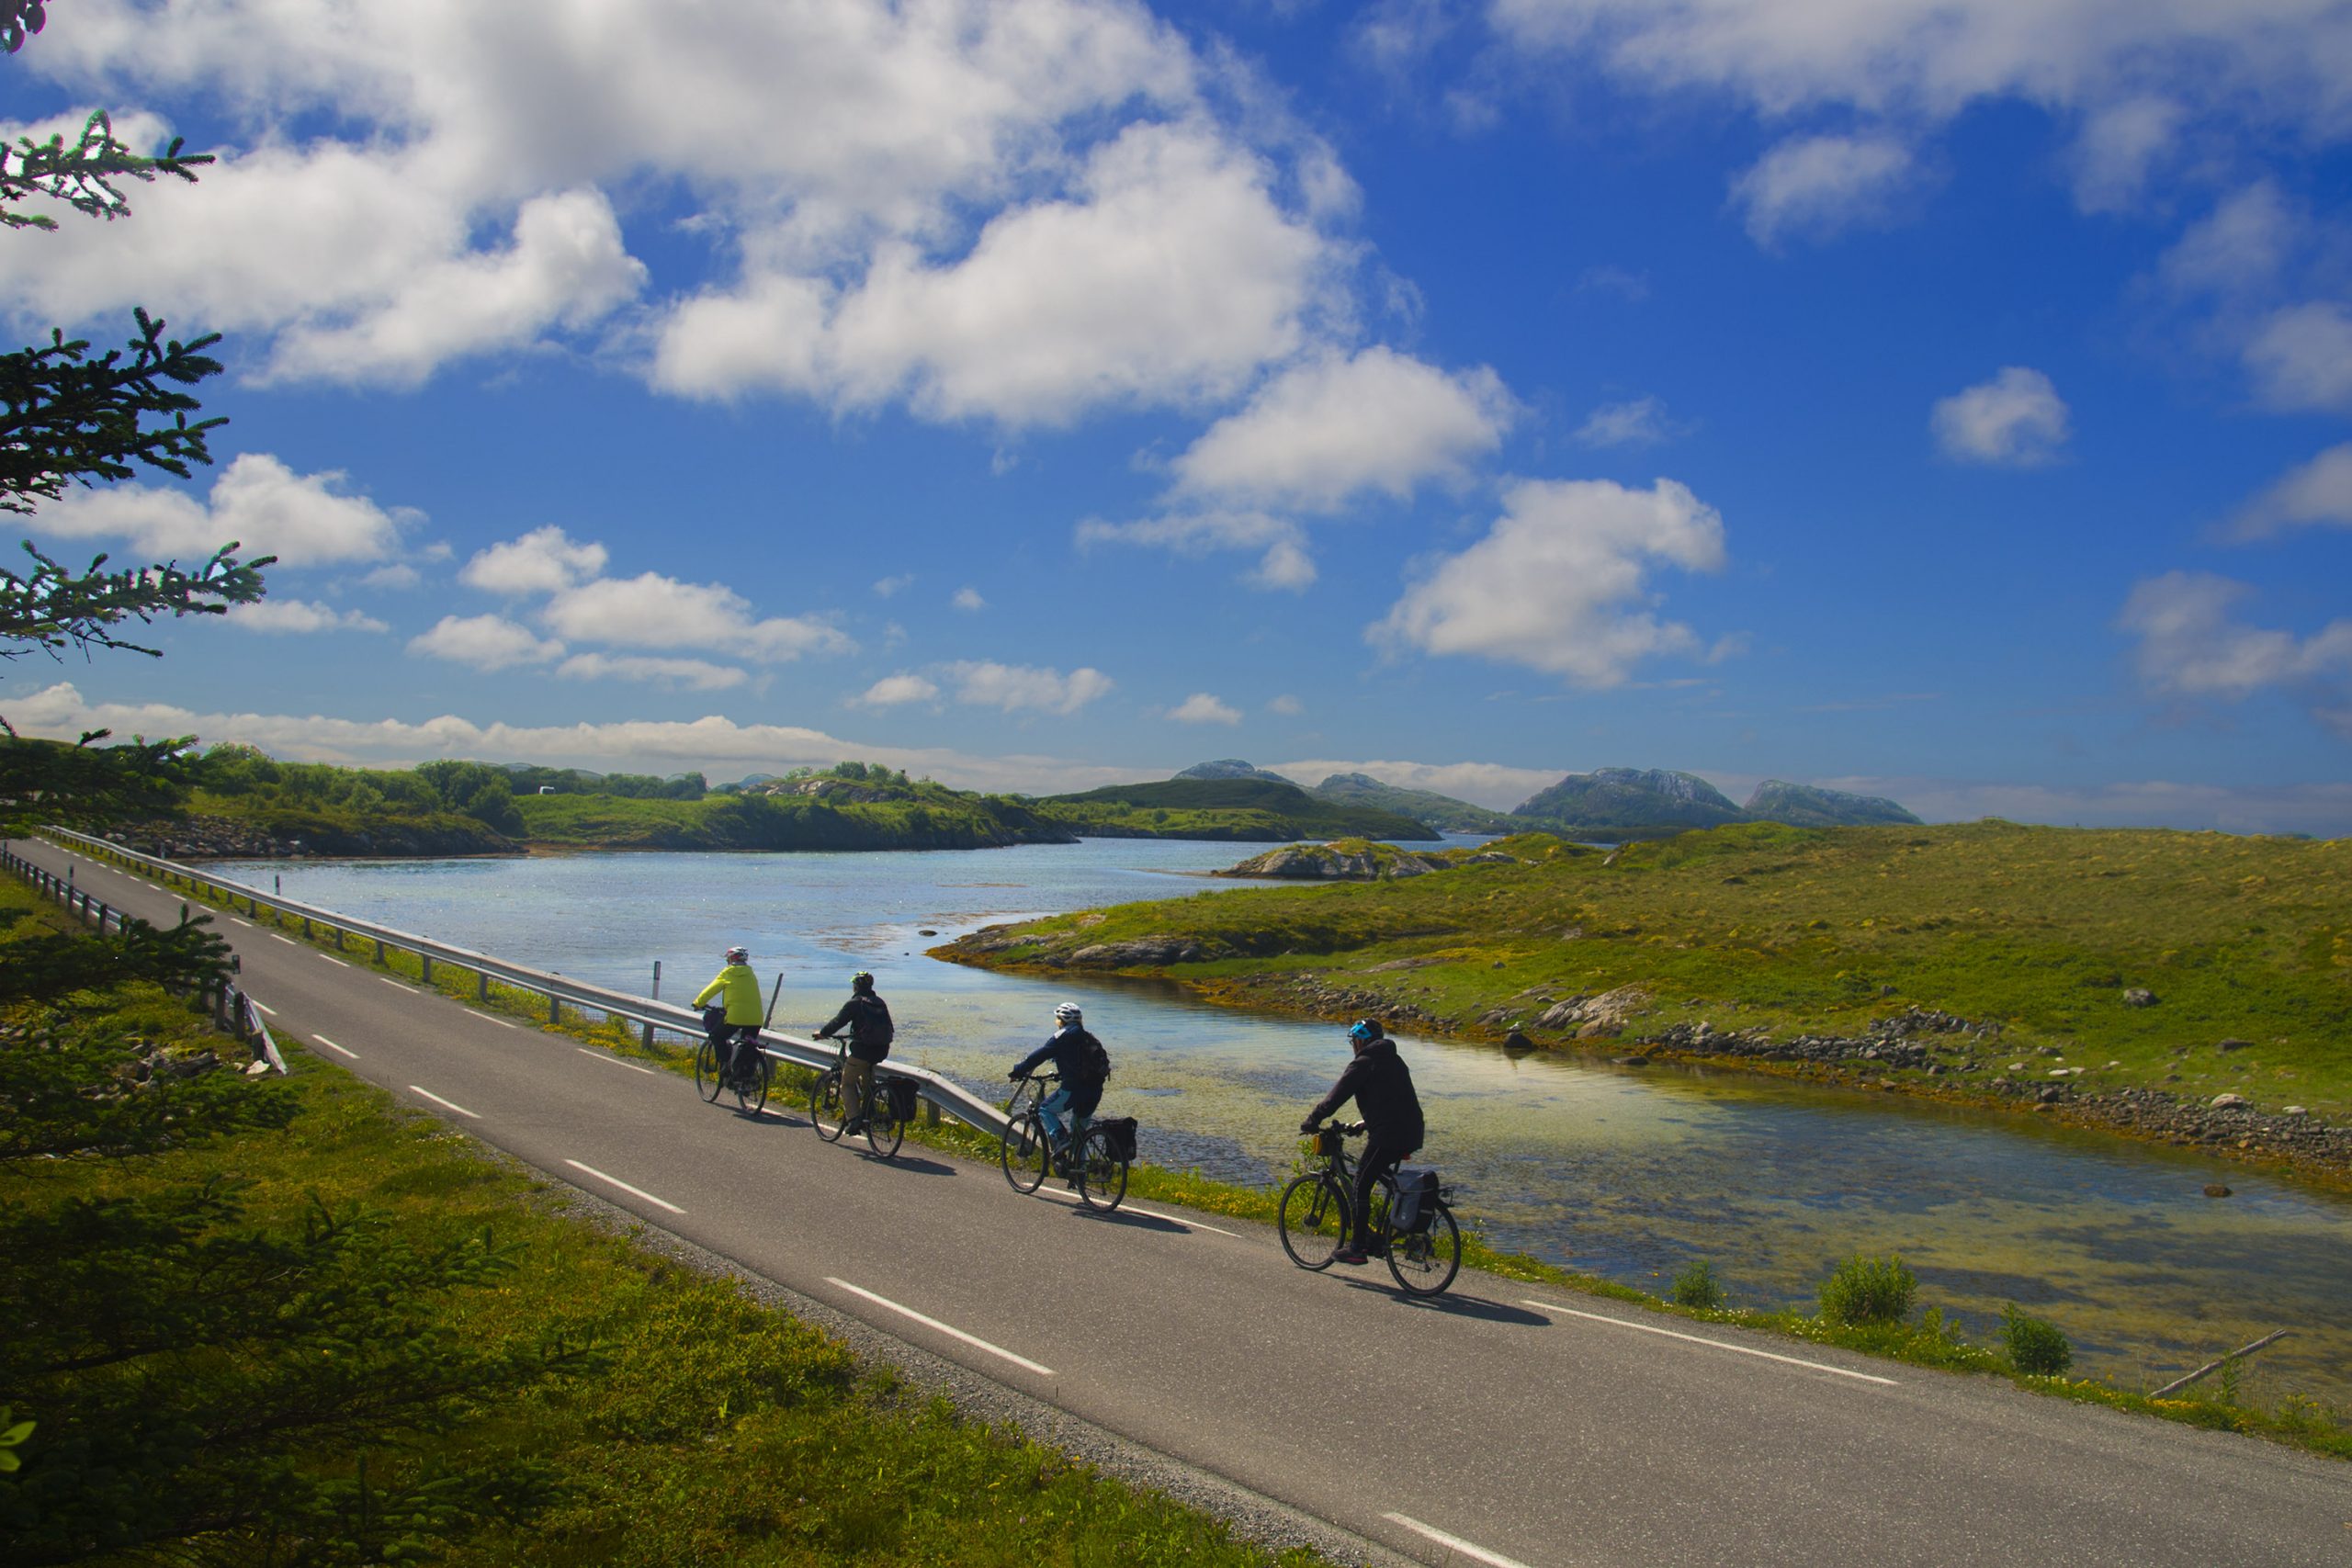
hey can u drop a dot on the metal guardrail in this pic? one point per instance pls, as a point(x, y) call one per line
point(950, 1098)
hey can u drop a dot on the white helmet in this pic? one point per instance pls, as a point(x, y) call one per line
point(1067, 1014)
point(738, 954)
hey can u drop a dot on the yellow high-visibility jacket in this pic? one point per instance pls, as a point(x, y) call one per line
point(742, 988)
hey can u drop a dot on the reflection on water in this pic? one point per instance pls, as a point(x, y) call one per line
point(1629, 1174)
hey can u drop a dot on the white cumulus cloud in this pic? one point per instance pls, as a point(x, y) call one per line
point(1638, 422)
point(1202, 708)
point(300, 615)
point(2017, 419)
point(1817, 186)
point(302, 519)
point(688, 674)
point(1017, 688)
point(544, 560)
point(1561, 581)
point(1284, 560)
point(2300, 357)
point(2192, 645)
point(483, 642)
point(892, 691)
point(2319, 491)
point(968, 598)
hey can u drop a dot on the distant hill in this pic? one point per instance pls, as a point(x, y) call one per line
point(1809, 806)
point(1628, 803)
point(1257, 810)
point(1232, 768)
point(1439, 811)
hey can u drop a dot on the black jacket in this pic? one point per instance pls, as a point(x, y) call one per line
point(1067, 1058)
point(870, 1028)
point(1383, 1087)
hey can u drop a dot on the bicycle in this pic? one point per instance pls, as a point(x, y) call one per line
point(1315, 1221)
point(885, 1130)
point(1100, 1172)
point(750, 1088)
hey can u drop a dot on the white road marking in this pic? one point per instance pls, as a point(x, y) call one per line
point(286, 940)
point(1718, 1344)
point(608, 1056)
point(953, 1333)
point(1184, 1220)
point(624, 1187)
point(236, 920)
point(322, 1040)
point(1455, 1543)
point(390, 981)
point(265, 1006)
point(502, 1023)
point(450, 1104)
point(333, 960)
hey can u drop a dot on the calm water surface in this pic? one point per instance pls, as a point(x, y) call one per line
point(1630, 1174)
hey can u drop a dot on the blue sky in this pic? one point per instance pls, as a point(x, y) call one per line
point(1944, 398)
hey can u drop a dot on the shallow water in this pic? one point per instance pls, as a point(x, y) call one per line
point(1627, 1173)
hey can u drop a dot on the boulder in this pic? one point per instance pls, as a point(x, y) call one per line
point(2138, 997)
point(2226, 1047)
point(2227, 1101)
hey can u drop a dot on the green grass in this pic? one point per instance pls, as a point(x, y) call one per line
point(1797, 930)
point(1930, 1342)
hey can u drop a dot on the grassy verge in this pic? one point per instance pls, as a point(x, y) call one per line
point(1931, 1342)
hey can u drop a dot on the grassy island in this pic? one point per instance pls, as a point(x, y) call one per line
point(2189, 986)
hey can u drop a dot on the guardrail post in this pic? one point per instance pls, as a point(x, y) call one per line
point(379, 950)
point(338, 939)
point(647, 1039)
point(554, 1008)
point(306, 925)
point(481, 986)
point(426, 959)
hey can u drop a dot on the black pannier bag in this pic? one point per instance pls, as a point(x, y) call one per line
point(1119, 1136)
point(902, 1095)
point(1416, 1200)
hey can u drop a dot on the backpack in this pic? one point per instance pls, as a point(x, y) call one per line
point(1416, 1200)
point(1094, 1062)
point(873, 1026)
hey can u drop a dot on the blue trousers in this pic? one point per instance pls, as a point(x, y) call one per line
point(1078, 1102)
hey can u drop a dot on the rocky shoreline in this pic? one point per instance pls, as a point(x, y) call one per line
point(1916, 1051)
point(198, 838)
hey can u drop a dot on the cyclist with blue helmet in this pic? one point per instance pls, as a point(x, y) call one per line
point(1382, 1087)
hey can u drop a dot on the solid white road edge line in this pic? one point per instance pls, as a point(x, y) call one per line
point(1455, 1543)
point(639, 1191)
point(322, 1040)
point(1718, 1344)
point(1186, 1221)
point(608, 1056)
point(333, 960)
point(973, 1340)
point(449, 1104)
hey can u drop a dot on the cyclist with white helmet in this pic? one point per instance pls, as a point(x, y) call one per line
point(736, 1018)
point(1083, 1065)
point(1382, 1087)
point(867, 1018)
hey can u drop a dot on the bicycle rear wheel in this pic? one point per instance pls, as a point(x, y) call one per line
point(1026, 1156)
point(884, 1133)
point(707, 1076)
point(1101, 1174)
point(1425, 1262)
point(1313, 1220)
point(752, 1083)
point(825, 1112)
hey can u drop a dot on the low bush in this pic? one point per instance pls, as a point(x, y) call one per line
point(2036, 1347)
point(1868, 1291)
point(1697, 1287)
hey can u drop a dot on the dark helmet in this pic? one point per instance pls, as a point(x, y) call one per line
point(861, 981)
point(1365, 1031)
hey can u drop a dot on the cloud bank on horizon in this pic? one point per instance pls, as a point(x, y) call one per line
point(1044, 382)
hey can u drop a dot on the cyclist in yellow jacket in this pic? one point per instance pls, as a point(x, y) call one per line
point(737, 1019)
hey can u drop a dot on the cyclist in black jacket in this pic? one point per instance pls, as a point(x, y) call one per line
point(1083, 1065)
point(1382, 1087)
point(867, 1018)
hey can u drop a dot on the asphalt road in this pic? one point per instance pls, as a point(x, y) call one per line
point(1504, 1423)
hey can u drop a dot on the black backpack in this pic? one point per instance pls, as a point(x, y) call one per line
point(1094, 1062)
point(872, 1025)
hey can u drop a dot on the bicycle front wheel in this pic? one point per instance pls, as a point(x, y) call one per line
point(1313, 1220)
point(751, 1085)
point(825, 1112)
point(884, 1133)
point(1101, 1174)
point(1425, 1262)
point(1026, 1156)
point(707, 1079)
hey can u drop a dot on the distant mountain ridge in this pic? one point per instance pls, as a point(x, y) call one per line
point(1234, 768)
point(1439, 811)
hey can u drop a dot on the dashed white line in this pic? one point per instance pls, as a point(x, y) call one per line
point(1477, 1554)
point(286, 940)
point(265, 1006)
point(953, 1333)
point(238, 920)
point(502, 1023)
point(390, 981)
point(637, 1191)
point(608, 1056)
point(333, 960)
point(1717, 1344)
point(1184, 1220)
point(449, 1104)
point(322, 1040)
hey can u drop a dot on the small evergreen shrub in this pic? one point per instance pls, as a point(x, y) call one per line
point(2036, 1347)
point(1868, 1291)
point(1697, 1287)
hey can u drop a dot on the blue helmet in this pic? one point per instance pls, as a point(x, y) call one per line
point(1364, 1032)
